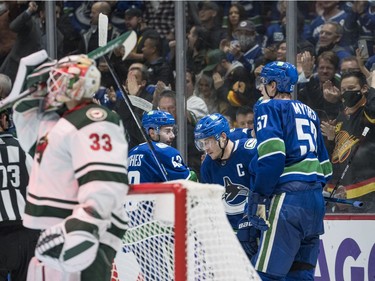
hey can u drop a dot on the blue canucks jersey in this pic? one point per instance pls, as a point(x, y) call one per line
point(239, 133)
point(234, 175)
point(312, 34)
point(290, 146)
point(144, 168)
point(251, 58)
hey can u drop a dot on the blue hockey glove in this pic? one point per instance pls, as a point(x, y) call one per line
point(258, 210)
point(248, 236)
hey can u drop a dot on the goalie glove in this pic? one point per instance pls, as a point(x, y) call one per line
point(248, 236)
point(258, 210)
point(69, 246)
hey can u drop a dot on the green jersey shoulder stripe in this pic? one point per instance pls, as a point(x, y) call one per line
point(92, 113)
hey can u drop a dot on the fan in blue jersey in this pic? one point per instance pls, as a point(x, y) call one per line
point(146, 165)
point(292, 166)
point(239, 133)
point(227, 163)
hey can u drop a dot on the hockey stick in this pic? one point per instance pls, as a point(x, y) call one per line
point(357, 204)
point(26, 66)
point(140, 103)
point(29, 63)
point(125, 39)
point(129, 46)
point(364, 133)
point(102, 36)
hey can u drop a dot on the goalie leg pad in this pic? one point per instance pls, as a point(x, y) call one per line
point(37, 271)
point(70, 246)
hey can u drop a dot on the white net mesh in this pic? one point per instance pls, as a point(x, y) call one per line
point(212, 250)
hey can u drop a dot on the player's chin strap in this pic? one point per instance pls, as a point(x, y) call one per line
point(276, 93)
point(223, 150)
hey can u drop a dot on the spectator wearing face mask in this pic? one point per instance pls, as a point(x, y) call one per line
point(246, 50)
point(353, 145)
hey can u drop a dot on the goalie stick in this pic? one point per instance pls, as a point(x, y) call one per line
point(26, 66)
point(102, 40)
point(28, 75)
point(102, 29)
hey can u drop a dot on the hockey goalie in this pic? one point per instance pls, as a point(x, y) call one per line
point(78, 181)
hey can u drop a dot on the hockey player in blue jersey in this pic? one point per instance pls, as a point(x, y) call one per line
point(227, 163)
point(291, 167)
point(159, 126)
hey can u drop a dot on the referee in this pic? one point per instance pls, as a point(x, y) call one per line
point(17, 243)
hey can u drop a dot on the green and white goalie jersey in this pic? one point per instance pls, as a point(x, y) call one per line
point(80, 159)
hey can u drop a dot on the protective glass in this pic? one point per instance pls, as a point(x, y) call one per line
point(205, 144)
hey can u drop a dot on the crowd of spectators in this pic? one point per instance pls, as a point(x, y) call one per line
point(227, 44)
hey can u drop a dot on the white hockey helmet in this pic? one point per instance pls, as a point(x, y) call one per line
point(73, 78)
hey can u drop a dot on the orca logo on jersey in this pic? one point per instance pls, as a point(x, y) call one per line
point(40, 148)
point(233, 191)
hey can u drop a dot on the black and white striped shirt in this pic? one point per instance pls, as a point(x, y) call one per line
point(14, 178)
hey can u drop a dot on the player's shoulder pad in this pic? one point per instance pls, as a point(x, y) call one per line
point(91, 114)
point(162, 145)
point(250, 143)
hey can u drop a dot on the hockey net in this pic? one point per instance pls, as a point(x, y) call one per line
point(179, 231)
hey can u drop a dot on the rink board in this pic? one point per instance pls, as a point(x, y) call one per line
point(347, 249)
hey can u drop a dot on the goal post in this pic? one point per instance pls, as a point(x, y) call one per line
point(179, 231)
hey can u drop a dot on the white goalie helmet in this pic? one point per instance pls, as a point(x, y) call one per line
point(73, 78)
